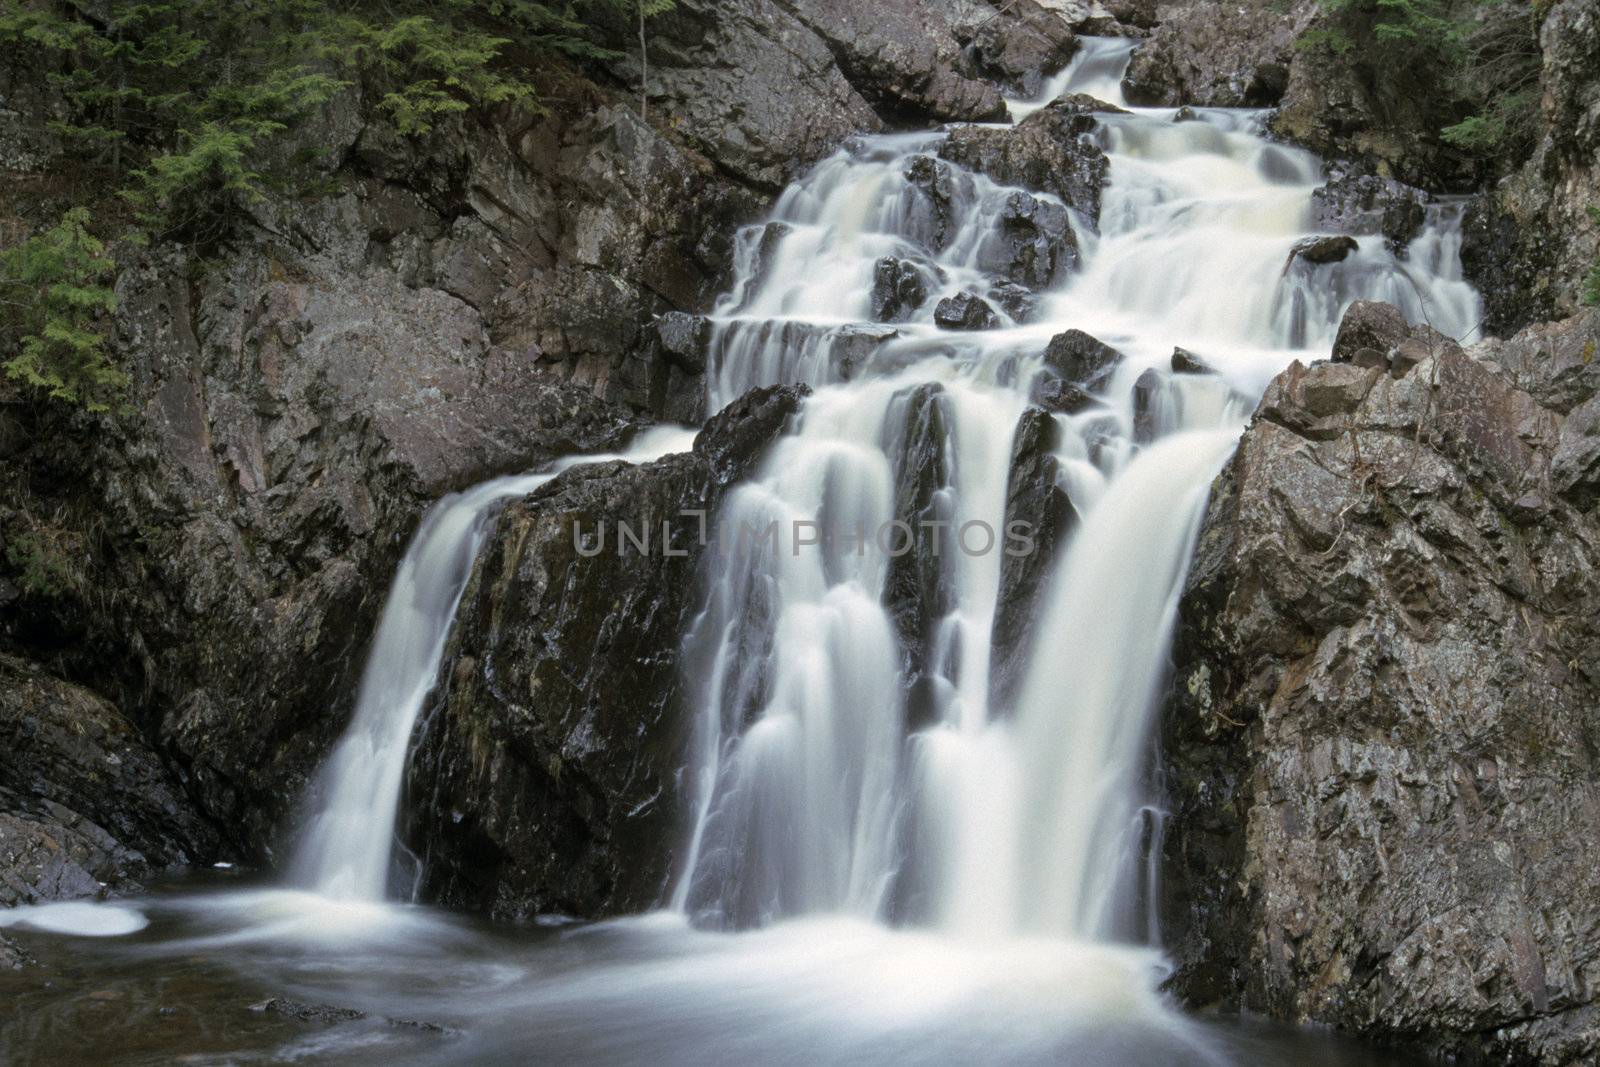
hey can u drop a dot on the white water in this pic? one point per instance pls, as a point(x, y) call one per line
point(349, 840)
point(932, 883)
point(812, 790)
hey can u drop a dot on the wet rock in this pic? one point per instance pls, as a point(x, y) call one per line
point(1073, 356)
point(1015, 300)
point(1380, 744)
point(1186, 362)
point(86, 804)
point(1046, 152)
point(1033, 244)
point(1213, 56)
point(549, 758)
point(1036, 503)
point(1361, 204)
point(898, 289)
point(305, 1012)
point(1151, 397)
point(917, 592)
point(1323, 250)
point(965, 311)
point(937, 184)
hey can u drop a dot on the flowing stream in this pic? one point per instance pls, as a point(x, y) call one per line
point(911, 837)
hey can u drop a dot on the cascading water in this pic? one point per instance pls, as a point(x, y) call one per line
point(836, 769)
point(937, 845)
point(348, 843)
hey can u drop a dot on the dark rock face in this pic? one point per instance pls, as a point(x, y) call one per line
point(1529, 242)
point(1076, 357)
point(965, 311)
point(85, 804)
point(1367, 204)
point(1034, 244)
point(1380, 744)
point(1046, 152)
point(898, 289)
point(542, 780)
point(1214, 55)
point(936, 182)
point(1186, 362)
point(916, 591)
point(1034, 496)
point(766, 88)
point(1018, 45)
point(1321, 251)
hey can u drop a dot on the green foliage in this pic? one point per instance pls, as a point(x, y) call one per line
point(1472, 64)
point(46, 561)
point(178, 98)
point(56, 300)
point(1591, 281)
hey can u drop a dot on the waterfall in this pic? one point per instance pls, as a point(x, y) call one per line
point(851, 754)
point(349, 840)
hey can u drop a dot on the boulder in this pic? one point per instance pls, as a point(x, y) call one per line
point(1046, 152)
point(1321, 251)
point(86, 804)
point(1380, 746)
point(1362, 204)
point(1375, 334)
point(1033, 244)
point(935, 183)
point(917, 591)
point(898, 289)
point(1018, 45)
point(1075, 357)
point(965, 311)
point(549, 758)
point(1214, 55)
point(1034, 496)
point(1186, 362)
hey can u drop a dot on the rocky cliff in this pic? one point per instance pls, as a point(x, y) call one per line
point(1382, 751)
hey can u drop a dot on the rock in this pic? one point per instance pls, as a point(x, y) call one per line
point(1380, 742)
point(1323, 250)
point(1214, 55)
point(306, 1012)
point(1368, 324)
point(1015, 300)
point(917, 592)
point(1035, 497)
point(767, 88)
point(550, 757)
point(1361, 204)
point(965, 311)
point(1529, 241)
point(1152, 397)
point(898, 289)
point(1033, 244)
point(1073, 356)
point(86, 805)
point(1186, 362)
point(936, 183)
point(1044, 153)
point(1557, 363)
point(682, 339)
point(1019, 45)
point(1375, 334)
